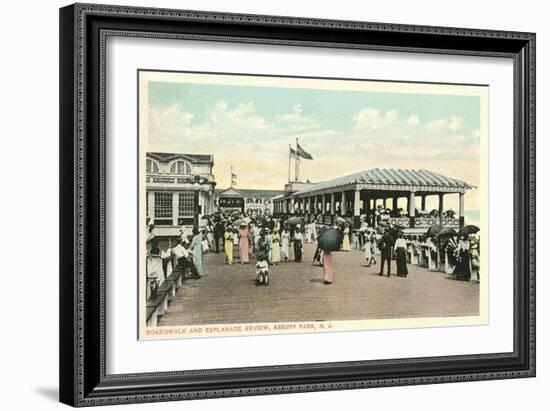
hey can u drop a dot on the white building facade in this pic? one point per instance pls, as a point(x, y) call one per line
point(179, 190)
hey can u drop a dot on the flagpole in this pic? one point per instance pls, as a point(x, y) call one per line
point(297, 160)
point(231, 176)
point(289, 156)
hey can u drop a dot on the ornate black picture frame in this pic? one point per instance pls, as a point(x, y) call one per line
point(83, 30)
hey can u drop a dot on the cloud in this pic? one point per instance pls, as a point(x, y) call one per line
point(296, 120)
point(456, 123)
point(168, 121)
point(371, 119)
point(243, 116)
point(444, 125)
point(413, 120)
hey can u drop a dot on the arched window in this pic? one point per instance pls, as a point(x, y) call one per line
point(151, 166)
point(180, 167)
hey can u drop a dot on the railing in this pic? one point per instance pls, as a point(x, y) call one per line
point(426, 221)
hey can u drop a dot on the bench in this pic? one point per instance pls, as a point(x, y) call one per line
point(157, 305)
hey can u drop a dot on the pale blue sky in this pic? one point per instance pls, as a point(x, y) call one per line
point(333, 109)
point(251, 127)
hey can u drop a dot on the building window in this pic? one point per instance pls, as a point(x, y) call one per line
point(151, 166)
point(180, 167)
point(163, 205)
point(186, 205)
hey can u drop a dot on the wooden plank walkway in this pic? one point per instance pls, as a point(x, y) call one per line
point(228, 294)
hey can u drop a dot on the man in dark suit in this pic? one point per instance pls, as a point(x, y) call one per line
point(219, 230)
point(386, 247)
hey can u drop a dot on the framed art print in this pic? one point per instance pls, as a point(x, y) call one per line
point(334, 204)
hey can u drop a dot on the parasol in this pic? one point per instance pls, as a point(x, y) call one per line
point(468, 229)
point(330, 239)
point(340, 220)
point(433, 231)
point(239, 222)
point(447, 232)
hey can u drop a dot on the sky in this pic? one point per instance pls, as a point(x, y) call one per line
point(250, 128)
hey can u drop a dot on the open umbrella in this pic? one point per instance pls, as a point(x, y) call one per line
point(468, 229)
point(433, 231)
point(447, 232)
point(340, 220)
point(330, 239)
point(239, 222)
point(295, 220)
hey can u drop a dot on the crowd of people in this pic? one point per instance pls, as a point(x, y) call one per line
point(454, 253)
point(274, 241)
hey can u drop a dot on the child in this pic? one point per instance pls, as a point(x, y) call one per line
point(369, 252)
point(262, 272)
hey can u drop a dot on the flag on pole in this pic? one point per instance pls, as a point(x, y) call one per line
point(293, 153)
point(233, 177)
point(302, 153)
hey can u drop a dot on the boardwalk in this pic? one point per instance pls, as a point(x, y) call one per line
point(228, 294)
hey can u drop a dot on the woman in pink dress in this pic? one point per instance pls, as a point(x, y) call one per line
point(327, 266)
point(243, 243)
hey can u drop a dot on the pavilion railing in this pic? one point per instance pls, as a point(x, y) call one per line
point(426, 221)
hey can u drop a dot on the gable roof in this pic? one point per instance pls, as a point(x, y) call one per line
point(387, 176)
point(249, 192)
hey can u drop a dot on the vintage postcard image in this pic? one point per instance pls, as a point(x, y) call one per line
point(272, 204)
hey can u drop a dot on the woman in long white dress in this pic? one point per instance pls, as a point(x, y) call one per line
point(345, 241)
point(285, 245)
point(368, 252)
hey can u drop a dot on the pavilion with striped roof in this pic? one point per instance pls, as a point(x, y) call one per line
point(358, 193)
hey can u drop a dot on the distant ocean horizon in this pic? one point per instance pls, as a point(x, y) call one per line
point(472, 217)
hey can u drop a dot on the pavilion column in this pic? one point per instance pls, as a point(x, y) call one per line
point(343, 204)
point(423, 203)
point(357, 208)
point(315, 207)
point(394, 202)
point(292, 206)
point(323, 204)
point(440, 208)
point(411, 209)
point(332, 204)
point(461, 209)
point(385, 202)
point(368, 207)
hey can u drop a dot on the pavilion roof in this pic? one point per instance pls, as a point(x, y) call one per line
point(195, 158)
point(423, 179)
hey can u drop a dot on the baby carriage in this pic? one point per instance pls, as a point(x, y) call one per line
point(262, 272)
